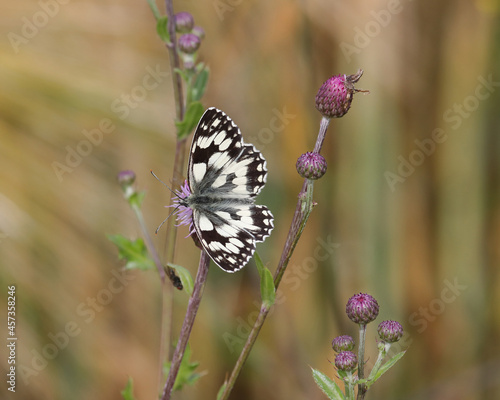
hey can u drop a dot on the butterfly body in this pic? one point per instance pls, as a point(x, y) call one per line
point(224, 177)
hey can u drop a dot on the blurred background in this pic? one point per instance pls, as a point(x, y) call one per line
point(408, 211)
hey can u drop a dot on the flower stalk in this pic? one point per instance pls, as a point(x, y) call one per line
point(187, 325)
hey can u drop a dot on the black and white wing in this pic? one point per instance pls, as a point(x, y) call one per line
point(225, 175)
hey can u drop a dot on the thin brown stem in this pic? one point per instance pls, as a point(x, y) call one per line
point(187, 326)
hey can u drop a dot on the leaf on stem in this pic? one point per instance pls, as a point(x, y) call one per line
point(127, 393)
point(186, 374)
point(162, 28)
point(328, 386)
point(200, 84)
point(154, 9)
point(133, 251)
point(185, 276)
point(221, 391)
point(383, 369)
point(267, 289)
point(193, 114)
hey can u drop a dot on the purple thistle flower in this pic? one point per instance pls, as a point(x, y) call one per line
point(334, 97)
point(311, 165)
point(189, 43)
point(362, 308)
point(184, 22)
point(343, 343)
point(184, 213)
point(390, 331)
point(346, 361)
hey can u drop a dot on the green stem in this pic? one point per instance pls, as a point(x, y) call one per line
point(302, 212)
point(361, 360)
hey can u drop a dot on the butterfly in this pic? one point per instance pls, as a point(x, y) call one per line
point(225, 175)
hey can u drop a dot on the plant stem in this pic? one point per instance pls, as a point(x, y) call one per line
point(361, 361)
point(187, 326)
point(303, 209)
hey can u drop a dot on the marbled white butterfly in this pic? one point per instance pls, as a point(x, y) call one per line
point(224, 177)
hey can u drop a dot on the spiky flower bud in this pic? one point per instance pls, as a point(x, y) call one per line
point(198, 31)
point(362, 308)
point(335, 95)
point(390, 331)
point(346, 361)
point(126, 178)
point(189, 43)
point(311, 165)
point(343, 343)
point(184, 22)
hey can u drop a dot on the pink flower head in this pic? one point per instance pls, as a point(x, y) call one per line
point(184, 213)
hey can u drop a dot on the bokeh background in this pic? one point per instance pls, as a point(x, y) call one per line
point(416, 227)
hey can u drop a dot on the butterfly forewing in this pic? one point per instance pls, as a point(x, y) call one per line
point(224, 176)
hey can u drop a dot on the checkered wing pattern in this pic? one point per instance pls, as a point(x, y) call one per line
point(225, 175)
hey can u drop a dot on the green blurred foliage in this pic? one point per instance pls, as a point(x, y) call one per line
point(86, 92)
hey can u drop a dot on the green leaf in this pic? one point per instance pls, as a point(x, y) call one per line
point(200, 84)
point(133, 251)
point(221, 390)
point(127, 393)
point(329, 387)
point(191, 119)
point(259, 263)
point(384, 368)
point(154, 9)
point(162, 28)
point(186, 374)
point(267, 289)
point(135, 200)
point(185, 276)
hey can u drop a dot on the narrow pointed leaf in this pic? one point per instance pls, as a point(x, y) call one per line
point(127, 393)
point(328, 386)
point(162, 28)
point(191, 119)
point(200, 84)
point(384, 368)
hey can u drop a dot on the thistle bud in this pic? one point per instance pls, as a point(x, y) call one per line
point(390, 331)
point(184, 22)
point(198, 31)
point(126, 178)
point(362, 308)
point(311, 166)
point(343, 343)
point(335, 95)
point(189, 43)
point(346, 361)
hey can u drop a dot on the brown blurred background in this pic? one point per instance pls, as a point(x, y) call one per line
point(409, 209)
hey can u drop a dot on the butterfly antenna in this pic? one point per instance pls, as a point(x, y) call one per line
point(165, 220)
point(164, 184)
